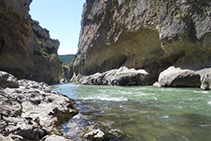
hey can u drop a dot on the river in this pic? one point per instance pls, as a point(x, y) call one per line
point(143, 113)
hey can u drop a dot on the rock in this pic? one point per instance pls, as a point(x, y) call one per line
point(8, 80)
point(2, 138)
point(98, 134)
point(32, 134)
point(205, 78)
point(143, 34)
point(3, 125)
point(26, 49)
point(16, 137)
point(157, 84)
point(120, 77)
point(177, 77)
point(33, 110)
point(115, 134)
point(54, 138)
point(44, 51)
point(127, 77)
point(206, 82)
point(95, 134)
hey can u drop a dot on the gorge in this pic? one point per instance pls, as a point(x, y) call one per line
point(122, 43)
point(29, 110)
point(147, 35)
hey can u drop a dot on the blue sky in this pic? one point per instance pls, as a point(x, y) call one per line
point(62, 18)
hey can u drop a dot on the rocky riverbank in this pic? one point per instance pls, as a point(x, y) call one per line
point(171, 77)
point(178, 77)
point(31, 110)
point(120, 77)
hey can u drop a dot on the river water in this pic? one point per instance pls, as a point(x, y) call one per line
point(143, 113)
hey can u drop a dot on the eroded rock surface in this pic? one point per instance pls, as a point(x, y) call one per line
point(8, 80)
point(143, 34)
point(177, 77)
point(205, 78)
point(121, 77)
point(32, 110)
point(26, 49)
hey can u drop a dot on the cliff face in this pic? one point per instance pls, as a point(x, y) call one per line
point(26, 49)
point(144, 34)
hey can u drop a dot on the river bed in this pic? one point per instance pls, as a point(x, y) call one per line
point(143, 113)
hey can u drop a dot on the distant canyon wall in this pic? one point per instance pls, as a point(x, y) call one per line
point(26, 49)
point(143, 34)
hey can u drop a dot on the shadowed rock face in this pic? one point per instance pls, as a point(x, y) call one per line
point(26, 49)
point(150, 35)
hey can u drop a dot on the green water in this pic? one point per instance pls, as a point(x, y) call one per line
point(143, 113)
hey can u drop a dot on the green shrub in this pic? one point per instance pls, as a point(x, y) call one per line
point(39, 43)
point(66, 59)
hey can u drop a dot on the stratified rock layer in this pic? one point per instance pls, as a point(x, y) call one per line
point(26, 49)
point(143, 34)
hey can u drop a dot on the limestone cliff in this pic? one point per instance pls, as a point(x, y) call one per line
point(144, 34)
point(26, 49)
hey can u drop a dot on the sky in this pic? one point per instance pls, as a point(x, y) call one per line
point(62, 18)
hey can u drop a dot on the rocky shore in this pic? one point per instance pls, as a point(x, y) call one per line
point(119, 77)
point(31, 111)
point(171, 77)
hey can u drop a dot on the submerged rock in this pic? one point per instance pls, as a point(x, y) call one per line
point(33, 110)
point(99, 135)
point(95, 134)
point(120, 77)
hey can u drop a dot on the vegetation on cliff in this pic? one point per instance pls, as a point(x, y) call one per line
point(26, 49)
point(66, 59)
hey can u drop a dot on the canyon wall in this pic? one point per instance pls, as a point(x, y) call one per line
point(143, 34)
point(26, 49)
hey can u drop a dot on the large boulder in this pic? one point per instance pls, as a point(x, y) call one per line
point(120, 77)
point(177, 77)
point(126, 77)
